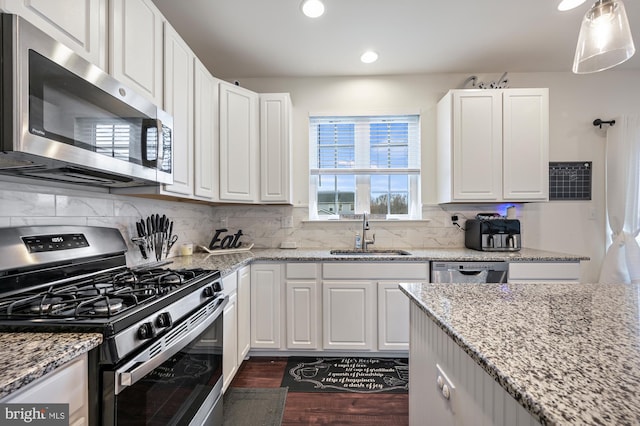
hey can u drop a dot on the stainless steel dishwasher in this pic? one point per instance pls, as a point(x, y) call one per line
point(469, 272)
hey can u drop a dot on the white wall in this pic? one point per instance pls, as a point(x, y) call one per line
point(575, 101)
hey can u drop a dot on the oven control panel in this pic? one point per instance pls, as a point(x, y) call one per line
point(41, 243)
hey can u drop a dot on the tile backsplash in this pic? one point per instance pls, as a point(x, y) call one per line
point(265, 226)
point(27, 204)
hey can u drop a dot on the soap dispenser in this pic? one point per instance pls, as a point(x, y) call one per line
point(358, 241)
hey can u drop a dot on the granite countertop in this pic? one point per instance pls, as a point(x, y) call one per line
point(26, 357)
point(569, 353)
point(227, 263)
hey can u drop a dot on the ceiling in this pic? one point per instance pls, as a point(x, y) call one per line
point(272, 38)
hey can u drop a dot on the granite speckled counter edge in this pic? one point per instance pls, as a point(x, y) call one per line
point(25, 357)
point(227, 263)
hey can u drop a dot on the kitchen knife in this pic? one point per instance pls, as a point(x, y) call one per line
point(154, 224)
point(169, 237)
point(162, 233)
point(139, 227)
point(146, 231)
point(158, 237)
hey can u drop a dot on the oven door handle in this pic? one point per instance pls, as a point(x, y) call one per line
point(190, 328)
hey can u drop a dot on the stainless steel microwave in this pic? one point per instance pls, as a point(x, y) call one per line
point(66, 120)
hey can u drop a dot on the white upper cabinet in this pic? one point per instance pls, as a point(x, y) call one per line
point(525, 144)
point(493, 145)
point(136, 46)
point(239, 144)
point(79, 24)
point(206, 134)
point(179, 103)
point(275, 148)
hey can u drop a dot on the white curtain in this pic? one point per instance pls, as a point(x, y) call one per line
point(622, 260)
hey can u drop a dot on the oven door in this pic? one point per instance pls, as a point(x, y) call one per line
point(177, 379)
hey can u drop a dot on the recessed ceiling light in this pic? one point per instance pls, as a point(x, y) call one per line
point(312, 8)
point(569, 4)
point(369, 56)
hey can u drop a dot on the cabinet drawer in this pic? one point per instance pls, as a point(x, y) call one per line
point(376, 270)
point(230, 283)
point(544, 271)
point(302, 270)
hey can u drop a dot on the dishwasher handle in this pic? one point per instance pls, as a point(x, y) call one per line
point(468, 272)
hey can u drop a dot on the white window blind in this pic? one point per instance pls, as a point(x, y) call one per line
point(365, 145)
point(364, 163)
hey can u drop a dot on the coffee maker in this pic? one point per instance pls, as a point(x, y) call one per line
point(492, 234)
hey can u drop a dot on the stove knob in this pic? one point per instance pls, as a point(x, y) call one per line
point(217, 286)
point(164, 320)
point(208, 291)
point(146, 331)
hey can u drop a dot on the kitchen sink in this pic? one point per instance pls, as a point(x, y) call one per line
point(370, 252)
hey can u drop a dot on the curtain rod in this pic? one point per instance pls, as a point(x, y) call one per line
point(598, 122)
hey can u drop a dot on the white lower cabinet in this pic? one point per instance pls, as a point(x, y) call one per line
point(302, 314)
point(266, 312)
point(65, 385)
point(230, 330)
point(393, 317)
point(230, 341)
point(332, 306)
point(375, 284)
point(532, 272)
point(244, 313)
point(348, 312)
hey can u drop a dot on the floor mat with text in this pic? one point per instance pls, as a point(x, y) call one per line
point(361, 375)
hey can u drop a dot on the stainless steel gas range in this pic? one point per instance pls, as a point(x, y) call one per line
point(161, 359)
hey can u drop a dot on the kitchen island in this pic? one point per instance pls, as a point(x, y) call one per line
point(525, 353)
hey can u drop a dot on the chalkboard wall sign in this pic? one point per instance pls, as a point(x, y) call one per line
point(570, 180)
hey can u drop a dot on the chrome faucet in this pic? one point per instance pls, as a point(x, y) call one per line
point(365, 228)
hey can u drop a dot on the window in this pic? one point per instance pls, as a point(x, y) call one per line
point(364, 164)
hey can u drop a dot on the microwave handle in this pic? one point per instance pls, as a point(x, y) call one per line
point(131, 376)
point(147, 124)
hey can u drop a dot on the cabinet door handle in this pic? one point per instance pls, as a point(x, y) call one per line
point(444, 383)
point(446, 392)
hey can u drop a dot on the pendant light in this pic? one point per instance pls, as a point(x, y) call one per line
point(605, 38)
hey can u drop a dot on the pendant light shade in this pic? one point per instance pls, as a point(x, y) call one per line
point(605, 38)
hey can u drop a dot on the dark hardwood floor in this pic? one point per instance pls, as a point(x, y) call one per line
point(319, 408)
